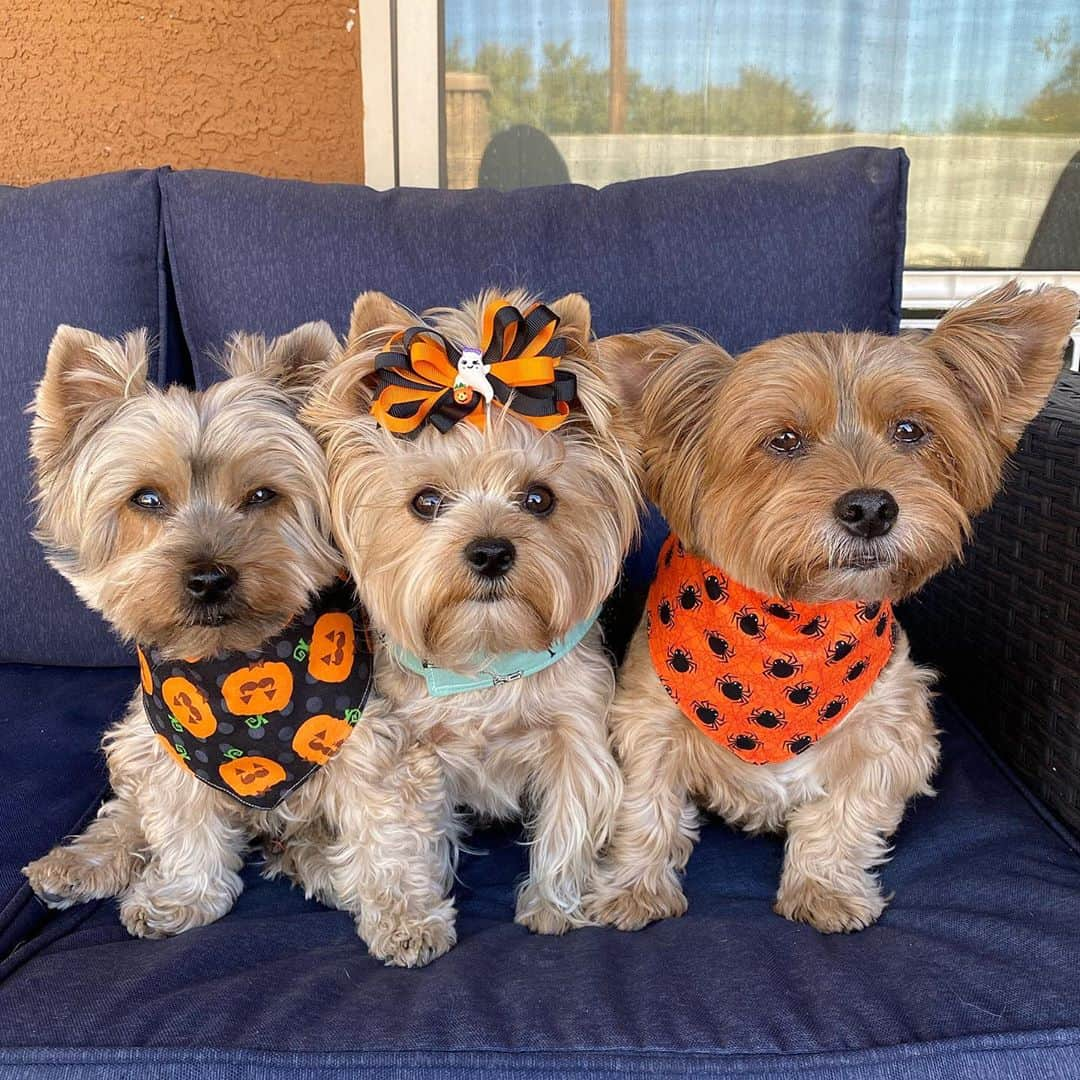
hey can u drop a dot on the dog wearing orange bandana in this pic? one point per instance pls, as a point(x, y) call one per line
point(809, 483)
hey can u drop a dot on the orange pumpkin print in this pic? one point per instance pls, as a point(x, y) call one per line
point(145, 677)
point(261, 688)
point(171, 751)
point(187, 703)
point(251, 775)
point(333, 646)
point(319, 738)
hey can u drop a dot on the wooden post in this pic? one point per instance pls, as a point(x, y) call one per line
point(617, 70)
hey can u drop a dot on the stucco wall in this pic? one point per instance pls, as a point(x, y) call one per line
point(266, 86)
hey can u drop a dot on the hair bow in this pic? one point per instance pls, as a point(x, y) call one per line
point(423, 378)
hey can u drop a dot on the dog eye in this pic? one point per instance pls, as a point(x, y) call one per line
point(786, 442)
point(148, 499)
point(538, 500)
point(260, 496)
point(427, 503)
point(907, 431)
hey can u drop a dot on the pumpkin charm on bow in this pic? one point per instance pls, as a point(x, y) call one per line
point(424, 378)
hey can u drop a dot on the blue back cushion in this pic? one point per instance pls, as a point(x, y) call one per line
point(90, 253)
point(744, 254)
point(815, 243)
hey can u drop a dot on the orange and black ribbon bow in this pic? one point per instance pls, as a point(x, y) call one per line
point(419, 380)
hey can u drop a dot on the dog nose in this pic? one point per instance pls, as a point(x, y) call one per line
point(490, 556)
point(867, 512)
point(211, 584)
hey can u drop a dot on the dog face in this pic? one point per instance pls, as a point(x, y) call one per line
point(196, 522)
point(472, 543)
point(847, 466)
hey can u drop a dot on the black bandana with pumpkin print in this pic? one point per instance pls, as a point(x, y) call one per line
point(256, 725)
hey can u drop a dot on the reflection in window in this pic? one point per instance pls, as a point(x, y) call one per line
point(984, 97)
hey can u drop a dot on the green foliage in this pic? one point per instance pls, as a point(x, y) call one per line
point(1054, 110)
point(569, 95)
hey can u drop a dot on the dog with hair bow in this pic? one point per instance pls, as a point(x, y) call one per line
point(484, 489)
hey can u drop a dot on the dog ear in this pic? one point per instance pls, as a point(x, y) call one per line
point(677, 403)
point(1005, 349)
point(632, 358)
point(294, 360)
point(302, 355)
point(575, 320)
point(374, 321)
point(86, 377)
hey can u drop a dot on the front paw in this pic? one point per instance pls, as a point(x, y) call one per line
point(827, 908)
point(65, 877)
point(540, 914)
point(635, 907)
point(410, 941)
point(148, 910)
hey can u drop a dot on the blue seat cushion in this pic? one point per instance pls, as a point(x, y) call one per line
point(53, 775)
point(972, 971)
point(89, 253)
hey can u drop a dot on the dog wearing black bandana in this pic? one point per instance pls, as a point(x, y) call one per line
point(198, 524)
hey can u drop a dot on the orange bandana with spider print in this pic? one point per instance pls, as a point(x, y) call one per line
point(758, 675)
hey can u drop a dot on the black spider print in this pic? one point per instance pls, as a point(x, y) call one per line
point(680, 660)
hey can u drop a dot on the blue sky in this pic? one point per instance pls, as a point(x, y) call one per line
point(873, 63)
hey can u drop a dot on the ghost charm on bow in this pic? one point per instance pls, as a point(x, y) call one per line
point(472, 375)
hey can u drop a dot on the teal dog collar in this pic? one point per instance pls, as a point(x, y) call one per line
point(502, 669)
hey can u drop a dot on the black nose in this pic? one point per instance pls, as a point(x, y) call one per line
point(211, 584)
point(867, 512)
point(490, 556)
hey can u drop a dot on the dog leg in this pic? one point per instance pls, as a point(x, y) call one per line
point(391, 865)
point(196, 841)
point(656, 828)
point(835, 841)
point(98, 863)
point(577, 787)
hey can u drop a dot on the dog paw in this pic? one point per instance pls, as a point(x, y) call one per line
point(64, 878)
point(828, 909)
point(412, 942)
point(637, 906)
point(541, 915)
point(151, 913)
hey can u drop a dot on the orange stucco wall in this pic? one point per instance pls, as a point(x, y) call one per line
point(266, 86)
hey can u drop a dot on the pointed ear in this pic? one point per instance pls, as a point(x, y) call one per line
point(1005, 349)
point(85, 375)
point(575, 319)
point(302, 355)
point(633, 358)
point(375, 319)
point(677, 405)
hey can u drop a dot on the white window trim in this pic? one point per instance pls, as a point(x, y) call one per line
point(401, 70)
point(939, 290)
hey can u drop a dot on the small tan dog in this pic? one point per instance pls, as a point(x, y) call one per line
point(198, 524)
point(484, 490)
point(808, 483)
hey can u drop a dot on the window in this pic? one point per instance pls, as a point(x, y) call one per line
point(985, 98)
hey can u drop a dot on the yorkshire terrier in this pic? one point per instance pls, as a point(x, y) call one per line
point(485, 489)
point(198, 524)
point(809, 483)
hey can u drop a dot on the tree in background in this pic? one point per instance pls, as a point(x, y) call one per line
point(569, 95)
point(1054, 110)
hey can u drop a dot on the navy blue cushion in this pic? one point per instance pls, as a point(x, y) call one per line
point(972, 971)
point(89, 253)
point(814, 243)
point(52, 776)
point(744, 254)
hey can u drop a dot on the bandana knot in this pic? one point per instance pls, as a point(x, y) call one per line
point(425, 379)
